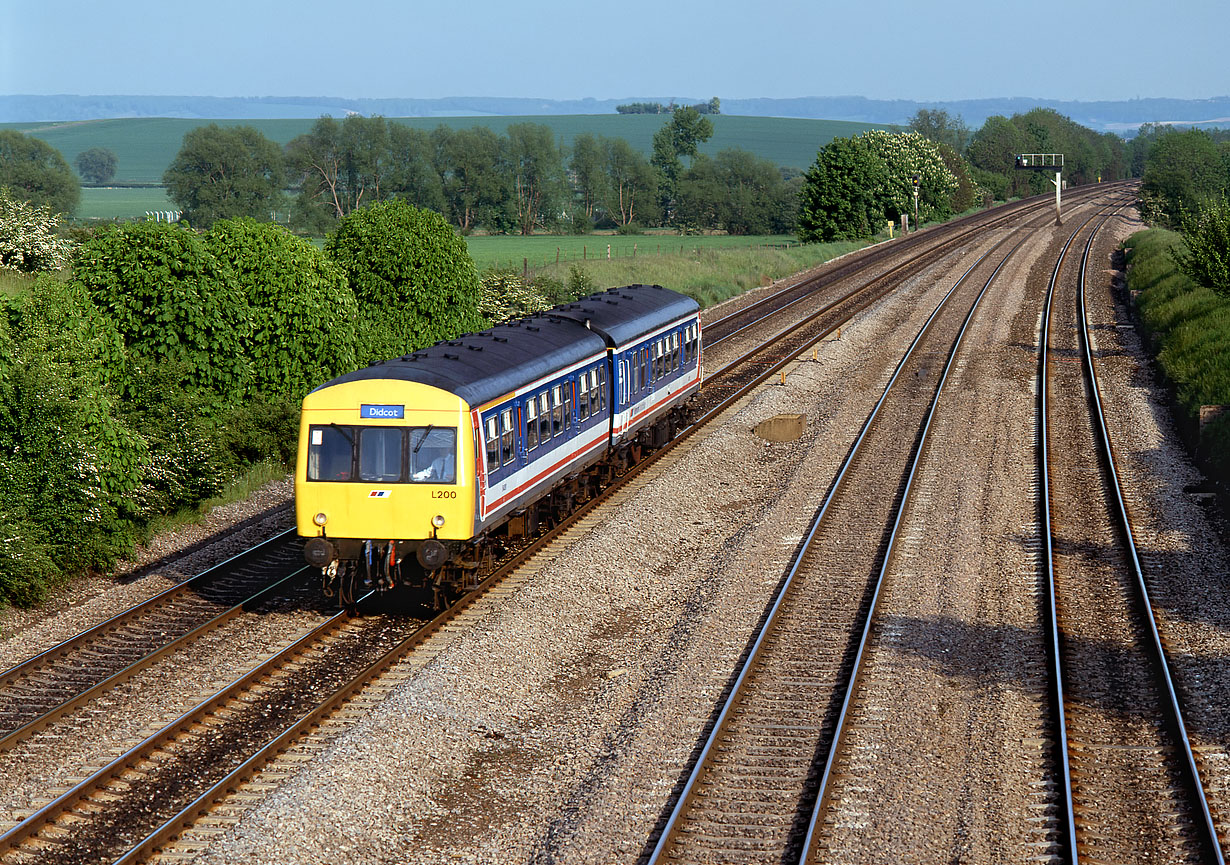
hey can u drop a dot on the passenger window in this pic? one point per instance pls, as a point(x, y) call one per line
point(583, 396)
point(645, 367)
point(544, 417)
point(634, 373)
point(531, 424)
point(557, 411)
point(493, 444)
point(380, 451)
point(330, 453)
point(600, 386)
point(508, 448)
point(567, 405)
point(675, 351)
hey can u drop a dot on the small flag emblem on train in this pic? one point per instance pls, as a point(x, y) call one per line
point(379, 494)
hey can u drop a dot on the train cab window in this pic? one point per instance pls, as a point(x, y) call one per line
point(433, 455)
point(380, 451)
point(557, 411)
point(531, 423)
point(508, 449)
point(544, 416)
point(330, 453)
point(583, 397)
point(492, 438)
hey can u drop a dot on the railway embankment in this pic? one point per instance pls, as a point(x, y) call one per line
point(1186, 330)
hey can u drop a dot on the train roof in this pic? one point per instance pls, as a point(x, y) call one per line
point(479, 367)
point(625, 314)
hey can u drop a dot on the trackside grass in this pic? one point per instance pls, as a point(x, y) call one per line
point(708, 274)
point(1189, 328)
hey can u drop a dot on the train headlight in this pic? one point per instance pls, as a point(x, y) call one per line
point(320, 519)
point(438, 521)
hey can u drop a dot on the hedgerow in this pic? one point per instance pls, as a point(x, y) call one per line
point(303, 311)
point(68, 461)
point(170, 301)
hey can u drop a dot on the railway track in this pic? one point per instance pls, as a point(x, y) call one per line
point(761, 779)
point(1132, 784)
point(49, 686)
point(99, 797)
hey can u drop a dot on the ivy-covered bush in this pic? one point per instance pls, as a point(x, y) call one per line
point(28, 239)
point(170, 301)
point(302, 309)
point(68, 463)
point(412, 277)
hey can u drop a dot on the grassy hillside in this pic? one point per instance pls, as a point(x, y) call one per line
point(146, 146)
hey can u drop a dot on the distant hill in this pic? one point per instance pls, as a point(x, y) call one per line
point(1124, 116)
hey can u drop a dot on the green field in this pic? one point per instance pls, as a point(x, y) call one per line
point(112, 202)
point(542, 251)
point(146, 146)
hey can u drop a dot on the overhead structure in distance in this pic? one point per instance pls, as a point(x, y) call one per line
point(1045, 162)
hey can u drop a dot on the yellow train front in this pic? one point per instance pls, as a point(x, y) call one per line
point(417, 470)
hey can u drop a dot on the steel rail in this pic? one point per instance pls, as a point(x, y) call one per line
point(667, 836)
point(161, 599)
point(19, 734)
point(839, 734)
point(1190, 770)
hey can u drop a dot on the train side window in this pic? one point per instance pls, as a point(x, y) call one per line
point(675, 357)
point(583, 396)
point(380, 453)
point(633, 372)
point(330, 453)
point(645, 366)
point(544, 416)
point(598, 382)
point(531, 423)
point(557, 411)
point(493, 444)
point(508, 448)
point(567, 405)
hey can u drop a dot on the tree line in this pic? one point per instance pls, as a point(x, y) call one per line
point(520, 182)
point(857, 185)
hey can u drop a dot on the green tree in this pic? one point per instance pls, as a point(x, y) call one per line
point(96, 165)
point(413, 174)
point(735, 191)
point(472, 167)
point(412, 277)
point(1205, 255)
point(588, 168)
point(171, 303)
point(631, 185)
point(938, 126)
point(35, 171)
point(840, 195)
point(317, 162)
point(537, 166)
point(225, 173)
point(28, 239)
point(1183, 171)
point(907, 155)
point(303, 312)
point(680, 137)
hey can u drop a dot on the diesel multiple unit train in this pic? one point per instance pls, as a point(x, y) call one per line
point(419, 471)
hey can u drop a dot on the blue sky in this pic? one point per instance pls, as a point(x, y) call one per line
point(964, 49)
